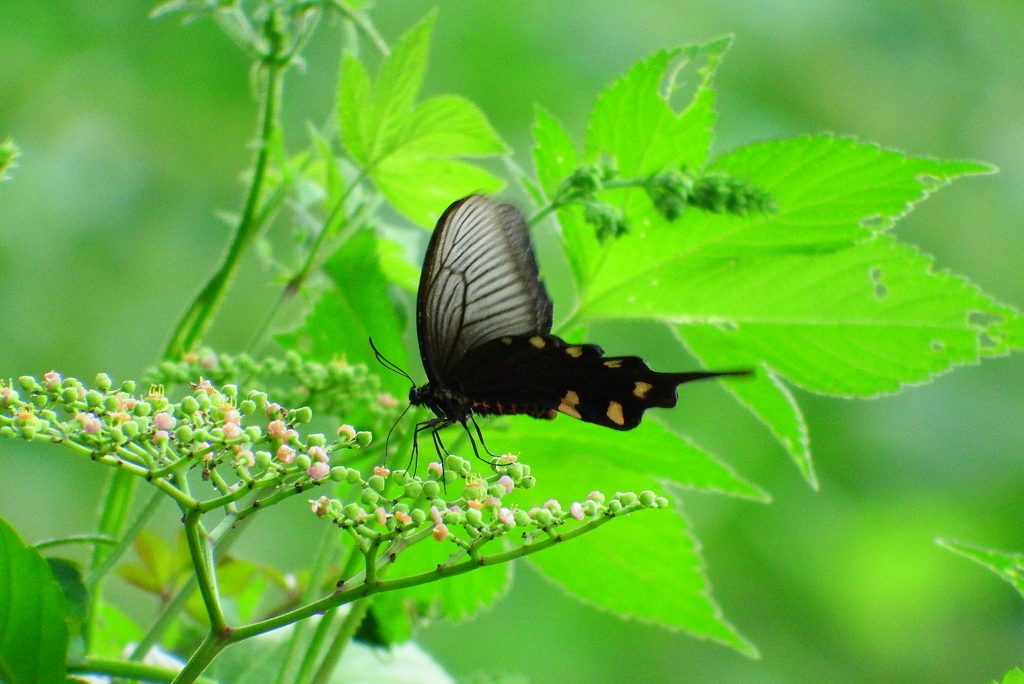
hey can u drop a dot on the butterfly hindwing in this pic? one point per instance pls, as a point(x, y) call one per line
point(535, 374)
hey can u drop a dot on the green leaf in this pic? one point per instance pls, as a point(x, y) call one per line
point(765, 395)
point(113, 630)
point(396, 265)
point(830, 193)
point(644, 566)
point(633, 122)
point(68, 574)
point(455, 598)
point(1014, 676)
point(859, 322)
point(355, 309)
point(649, 449)
point(1009, 566)
point(33, 630)
point(408, 148)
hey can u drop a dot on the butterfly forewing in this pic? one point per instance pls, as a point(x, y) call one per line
point(479, 282)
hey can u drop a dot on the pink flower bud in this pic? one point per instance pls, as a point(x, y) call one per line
point(246, 458)
point(382, 515)
point(92, 424)
point(320, 506)
point(233, 416)
point(435, 515)
point(160, 437)
point(276, 429)
point(440, 532)
point(455, 509)
point(205, 386)
point(164, 421)
point(52, 380)
point(318, 470)
point(383, 472)
point(576, 510)
point(436, 468)
point(347, 433)
point(231, 431)
point(209, 361)
point(510, 458)
point(289, 435)
point(505, 516)
point(272, 409)
point(552, 503)
point(534, 511)
point(474, 504)
point(285, 454)
point(492, 501)
point(506, 482)
point(318, 454)
point(402, 517)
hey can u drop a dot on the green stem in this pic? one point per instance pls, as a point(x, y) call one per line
point(205, 568)
point(197, 319)
point(356, 613)
point(212, 645)
point(75, 539)
point(127, 670)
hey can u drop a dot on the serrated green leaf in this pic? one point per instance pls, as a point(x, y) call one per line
point(859, 322)
point(1009, 566)
point(651, 549)
point(406, 148)
point(33, 631)
point(649, 449)
point(355, 309)
point(765, 395)
point(422, 188)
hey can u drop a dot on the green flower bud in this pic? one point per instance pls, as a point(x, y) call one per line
point(316, 439)
point(430, 489)
point(377, 482)
point(353, 511)
point(142, 408)
point(543, 517)
point(496, 491)
point(247, 407)
point(526, 469)
point(48, 415)
point(128, 386)
point(253, 432)
point(626, 498)
point(117, 435)
point(189, 405)
point(202, 435)
point(204, 400)
point(300, 415)
point(418, 515)
point(474, 517)
point(292, 360)
point(69, 395)
point(661, 502)
point(27, 382)
point(229, 390)
point(93, 398)
point(413, 489)
point(648, 498)
point(111, 403)
point(440, 503)
point(400, 477)
point(476, 491)
point(303, 461)
point(527, 482)
point(6, 431)
point(131, 428)
point(339, 473)
point(260, 398)
point(29, 432)
point(217, 434)
point(103, 382)
point(614, 506)
point(264, 459)
point(369, 497)
point(453, 462)
point(452, 518)
point(450, 476)
point(401, 508)
point(515, 471)
point(465, 467)
point(521, 518)
point(363, 439)
point(183, 434)
point(40, 400)
point(590, 508)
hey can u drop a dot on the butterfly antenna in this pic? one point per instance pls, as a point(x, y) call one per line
point(388, 364)
point(387, 441)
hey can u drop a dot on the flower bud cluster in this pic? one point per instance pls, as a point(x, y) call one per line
point(336, 388)
point(457, 504)
point(257, 439)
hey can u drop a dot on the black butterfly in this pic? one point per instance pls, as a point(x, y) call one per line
point(483, 319)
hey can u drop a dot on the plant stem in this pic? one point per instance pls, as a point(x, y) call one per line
point(356, 613)
point(206, 572)
point(127, 670)
point(197, 319)
point(212, 645)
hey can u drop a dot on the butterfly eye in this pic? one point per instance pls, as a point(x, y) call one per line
point(414, 396)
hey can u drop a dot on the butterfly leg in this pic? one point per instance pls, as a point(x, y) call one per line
point(482, 442)
point(433, 424)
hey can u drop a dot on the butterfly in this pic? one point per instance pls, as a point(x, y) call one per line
point(483, 321)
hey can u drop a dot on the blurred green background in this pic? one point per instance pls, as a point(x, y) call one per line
point(135, 133)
